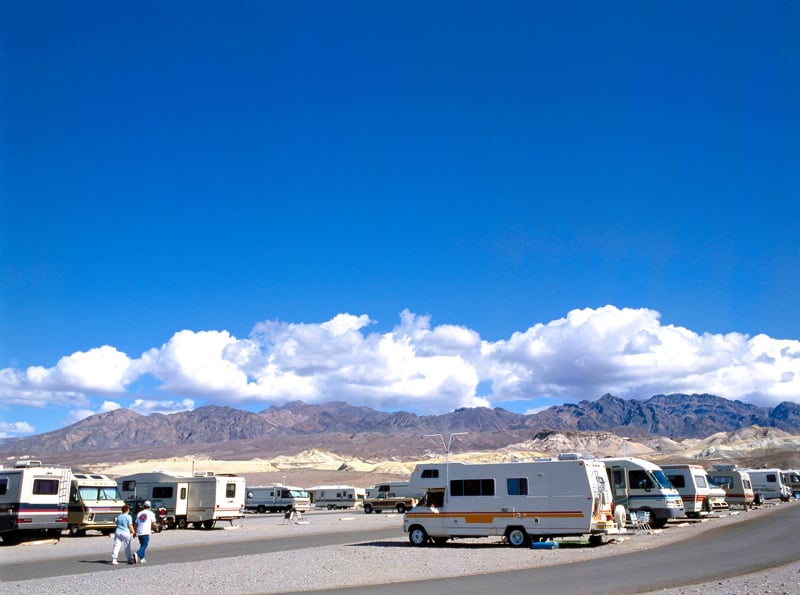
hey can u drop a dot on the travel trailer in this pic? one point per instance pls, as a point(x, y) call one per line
point(768, 484)
point(33, 501)
point(736, 483)
point(94, 503)
point(277, 498)
point(640, 485)
point(201, 499)
point(698, 496)
point(520, 502)
point(334, 497)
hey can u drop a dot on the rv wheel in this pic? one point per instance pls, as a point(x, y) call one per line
point(401, 508)
point(517, 537)
point(440, 541)
point(262, 509)
point(417, 536)
point(181, 523)
point(75, 531)
point(367, 508)
point(209, 524)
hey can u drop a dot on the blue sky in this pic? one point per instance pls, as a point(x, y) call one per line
point(420, 206)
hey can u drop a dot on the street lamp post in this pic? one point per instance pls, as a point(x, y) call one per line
point(446, 446)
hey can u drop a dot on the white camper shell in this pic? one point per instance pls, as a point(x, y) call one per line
point(698, 495)
point(400, 489)
point(334, 497)
point(518, 501)
point(640, 485)
point(768, 484)
point(200, 500)
point(94, 503)
point(33, 501)
point(736, 483)
point(277, 498)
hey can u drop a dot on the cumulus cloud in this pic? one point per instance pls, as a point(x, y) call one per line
point(7, 429)
point(421, 367)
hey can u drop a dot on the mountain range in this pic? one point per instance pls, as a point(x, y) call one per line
point(340, 427)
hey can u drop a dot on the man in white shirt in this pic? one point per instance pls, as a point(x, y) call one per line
point(145, 524)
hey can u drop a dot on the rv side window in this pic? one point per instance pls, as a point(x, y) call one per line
point(162, 492)
point(677, 481)
point(183, 494)
point(47, 487)
point(640, 480)
point(517, 486)
point(618, 478)
point(3, 485)
point(472, 487)
point(230, 490)
point(429, 473)
point(772, 478)
point(724, 481)
point(747, 484)
point(700, 481)
point(128, 486)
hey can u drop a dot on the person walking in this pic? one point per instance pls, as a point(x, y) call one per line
point(145, 526)
point(122, 535)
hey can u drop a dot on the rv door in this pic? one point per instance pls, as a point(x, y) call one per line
point(182, 499)
point(619, 486)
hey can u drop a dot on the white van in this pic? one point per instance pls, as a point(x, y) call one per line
point(736, 483)
point(517, 501)
point(640, 485)
point(691, 481)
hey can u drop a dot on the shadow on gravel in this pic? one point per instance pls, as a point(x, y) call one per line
point(104, 561)
point(455, 544)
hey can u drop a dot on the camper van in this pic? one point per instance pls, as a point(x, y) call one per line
point(736, 483)
point(277, 498)
point(33, 501)
point(518, 501)
point(697, 494)
point(640, 485)
point(201, 499)
point(791, 478)
point(94, 503)
point(768, 484)
point(334, 497)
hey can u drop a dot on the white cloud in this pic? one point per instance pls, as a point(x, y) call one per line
point(15, 427)
point(77, 415)
point(420, 367)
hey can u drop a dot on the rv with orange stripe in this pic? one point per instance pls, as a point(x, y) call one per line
point(521, 502)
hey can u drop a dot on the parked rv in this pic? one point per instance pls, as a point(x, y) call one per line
point(200, 500)
point(698, 496)
point(399, 488)
point(335, 497)
point(791, 478)
point(640, 485)
point(277, 498)
point(94, 503)
point(768, 484)
point(736, 483)
point(33, 501)
point(518, 501)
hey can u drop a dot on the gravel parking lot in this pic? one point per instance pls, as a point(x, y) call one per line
point(330, 567)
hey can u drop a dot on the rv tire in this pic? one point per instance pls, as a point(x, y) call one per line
point(75, 531)
point(181, 523)
point(440, 541)
point(595, 540)
point(401, 508)
point(517, 537)
point(367, 508)
point(656, 522)
point(209, 524)
point(417, 536)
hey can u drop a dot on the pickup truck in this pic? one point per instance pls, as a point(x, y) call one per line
point(388, 501)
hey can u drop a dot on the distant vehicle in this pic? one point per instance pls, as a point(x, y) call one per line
point(518, 501)
point(640, 485)
point(277, 498)
point(33, 501)
point(335, 497)
point(389, 501)
point(736, 483)
point(400, 488)
point(94, 503)
point(768, 484)
point(199, 500)
point(791, 478)
point(698, 496)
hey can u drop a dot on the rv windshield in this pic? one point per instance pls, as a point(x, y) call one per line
point(99, 493)
point(298, 493)
point(661, 479)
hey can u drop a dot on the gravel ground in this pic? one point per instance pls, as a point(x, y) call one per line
point(348, 565)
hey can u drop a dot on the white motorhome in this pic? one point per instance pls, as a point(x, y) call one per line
point(640, 485)
point(768, 484)
point(277, 498)
point(736, 483)
point(201, 499)
point(518, 501)
point(698, 496)
point(33, 501)
point(334, 497)
point(791, 477)
point(94, 503)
